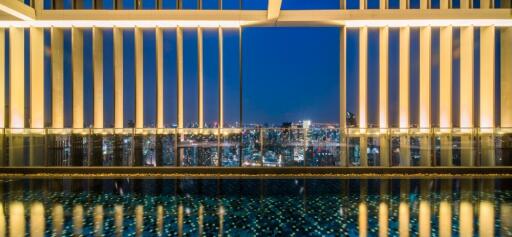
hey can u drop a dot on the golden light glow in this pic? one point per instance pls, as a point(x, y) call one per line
point(428, 22)
point(120, 24)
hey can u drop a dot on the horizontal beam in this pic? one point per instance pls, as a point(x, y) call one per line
point(236, 18)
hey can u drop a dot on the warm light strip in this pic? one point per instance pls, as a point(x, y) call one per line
point(235, 24)
point(120, 24)
point(429, 22)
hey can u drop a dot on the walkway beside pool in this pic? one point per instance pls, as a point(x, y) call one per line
point(256, 171)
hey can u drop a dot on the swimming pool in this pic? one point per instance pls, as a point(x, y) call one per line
point(256, 207)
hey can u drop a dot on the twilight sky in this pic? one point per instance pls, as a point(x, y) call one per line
point(289, 73)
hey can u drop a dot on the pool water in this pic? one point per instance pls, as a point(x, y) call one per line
point(256, 207)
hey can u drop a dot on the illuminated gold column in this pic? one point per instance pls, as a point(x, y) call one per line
point(36, 77)
point(487, 77)
point(363, 93)
point(384, 208)
point(57, 57)
point(487, 94)
point(16, 218)
point(2, 78)
point(404, 58)
point(424, 208)
point(445, 208)
point(343, 95)
point(58, 219)
point(17, 76)
point(118, 77)
point(159, 77)
point(179, 68)
point(383, 96)
point(466, 208)
point(98, 220)
point(77, 44)
point(383, 77)
point(221, 78)
point(486, 208)
point(486, 3)
point(506, 77)
point(466, 93)
point(487, 104)
point(139, 79)
point(466, 76)
point(425, 94)
point(425, 39)
point(445, 92)
point(404, 77)
point(97, 58)
point(403, 209)
point(465, 4)
point(200, 98)
point(404, 4)
point(37, 223)
point(78, 219)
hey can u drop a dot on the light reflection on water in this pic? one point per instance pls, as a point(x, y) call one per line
point(247, 207)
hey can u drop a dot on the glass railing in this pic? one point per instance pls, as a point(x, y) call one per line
point(256, 147)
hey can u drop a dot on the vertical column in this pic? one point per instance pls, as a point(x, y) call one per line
point(17, 77)
point(159, 78)
point(118, 77)
point(36, 152)
point(221, 78)
point(179, 70)
point(487, 104)
point(77, 42)
point(466, 93)
point(363, 92)
point(486, 4)
point(36, 78)
point(343, 95)
point(506, 84)
point(57, 61)
point(139, 75)
point(2, 78)
point(97, 51)
point(200, 98)
point(506, 77)
point(425, 93)
point(487, 77)
point(445, 91)
point(404, 94)
point(383, 92)
point(465, 4)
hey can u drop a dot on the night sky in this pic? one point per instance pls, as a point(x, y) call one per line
point(289, 73)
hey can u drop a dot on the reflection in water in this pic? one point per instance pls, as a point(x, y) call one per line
point(36, 219)
point(231, 207)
